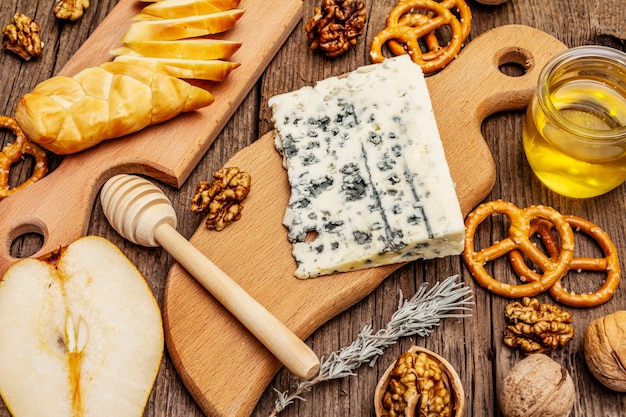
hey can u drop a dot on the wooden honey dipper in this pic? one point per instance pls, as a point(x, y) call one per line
point(140, 212)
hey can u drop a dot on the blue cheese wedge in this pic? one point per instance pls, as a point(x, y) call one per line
point(370, 184)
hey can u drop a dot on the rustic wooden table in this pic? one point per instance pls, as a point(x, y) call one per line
point(473, 345)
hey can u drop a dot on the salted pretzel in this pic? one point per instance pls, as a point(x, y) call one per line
point(13, 152)
point(554, 268)
point(608, 264)
point(405, 28)
point(431, 40)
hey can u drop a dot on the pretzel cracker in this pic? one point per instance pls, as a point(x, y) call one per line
point(518, 239)
point(13, 153)
point(413, 20)
point(608, 264)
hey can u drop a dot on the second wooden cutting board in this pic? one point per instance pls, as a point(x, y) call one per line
point(167, 151)
point(209, 348)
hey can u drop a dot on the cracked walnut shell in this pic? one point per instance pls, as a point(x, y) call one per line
point(336, 25)
point(605, 350)
point(22, 37)
point(419, 383)
point(223, 198)
point(536, 327)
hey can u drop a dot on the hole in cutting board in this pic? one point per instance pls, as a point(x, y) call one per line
point(26, 240)
point(515, 62)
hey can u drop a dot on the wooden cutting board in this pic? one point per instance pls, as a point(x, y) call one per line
point(168, 152)
point(223, 366)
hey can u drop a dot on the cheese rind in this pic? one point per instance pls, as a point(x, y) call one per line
point(370, 184)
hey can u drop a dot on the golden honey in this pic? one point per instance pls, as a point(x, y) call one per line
point(575, 128)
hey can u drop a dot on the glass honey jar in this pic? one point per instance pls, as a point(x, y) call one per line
point(575, 128)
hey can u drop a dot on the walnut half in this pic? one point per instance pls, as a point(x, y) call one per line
point(22, 37)
point(536, 327)
point(336, 25)
point(70, 9)
point(223, 198)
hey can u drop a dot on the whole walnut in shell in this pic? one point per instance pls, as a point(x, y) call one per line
point(537, 386)
point(605, 350)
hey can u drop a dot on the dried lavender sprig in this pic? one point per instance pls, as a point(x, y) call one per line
point(417, 316)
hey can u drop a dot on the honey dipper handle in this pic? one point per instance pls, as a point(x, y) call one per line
point(271, 332)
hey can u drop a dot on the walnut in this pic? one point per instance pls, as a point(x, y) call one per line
point(335, 27)
point(536, 327)
point(605, 350)
point(419, 383)
point(222, 198)
point(22, 37)
point(70, 9)
point(537, 386)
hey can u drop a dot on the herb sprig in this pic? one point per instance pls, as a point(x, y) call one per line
point(417, 316)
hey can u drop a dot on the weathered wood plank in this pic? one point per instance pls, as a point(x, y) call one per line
point(474, 345)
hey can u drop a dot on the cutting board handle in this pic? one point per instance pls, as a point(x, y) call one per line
point(478, 76)
point(59, 204)
point(475, 86)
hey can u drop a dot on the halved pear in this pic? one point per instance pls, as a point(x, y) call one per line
point(170, 9)
point(181, 49)
point(210, 70)
point(80, 334)
point(182, 27)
